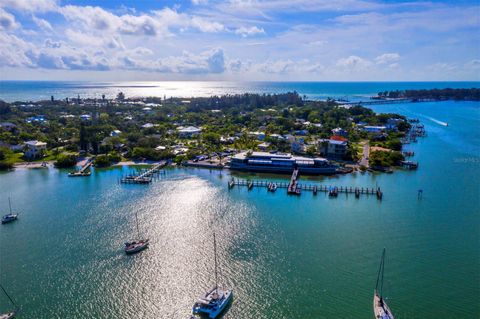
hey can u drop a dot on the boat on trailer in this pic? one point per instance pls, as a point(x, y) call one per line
point(135, 246)
point(216, 300)
point(380, 307)
point(10, 217)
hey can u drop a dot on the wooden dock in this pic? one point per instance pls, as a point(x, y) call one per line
point(331, 190)
point(145, 177)
point(83, 171)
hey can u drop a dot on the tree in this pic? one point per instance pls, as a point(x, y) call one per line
point(65, 160)
point(120, 96)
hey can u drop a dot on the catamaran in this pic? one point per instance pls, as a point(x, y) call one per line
point(11, 314)
point(380, 307)
point(135, 246)
point(215, 300)
point(9, 217)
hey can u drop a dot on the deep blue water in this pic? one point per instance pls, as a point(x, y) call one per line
point(38, 90)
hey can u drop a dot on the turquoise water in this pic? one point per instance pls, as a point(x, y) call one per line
point(286, 257)
point(42, 90)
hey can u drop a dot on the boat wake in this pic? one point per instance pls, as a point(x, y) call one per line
point(436, 121)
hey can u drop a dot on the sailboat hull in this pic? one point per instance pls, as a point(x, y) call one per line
point(380, 308)
point(9, 315)
point(136, 246)
point(211, 307)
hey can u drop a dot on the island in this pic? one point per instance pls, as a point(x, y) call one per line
point(199, 131)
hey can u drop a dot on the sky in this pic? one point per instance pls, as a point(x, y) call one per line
point(240, 40)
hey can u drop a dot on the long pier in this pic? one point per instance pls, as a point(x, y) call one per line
point(145, 177)
point(331, 190)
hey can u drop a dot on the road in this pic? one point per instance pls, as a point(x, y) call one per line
point(365, 154)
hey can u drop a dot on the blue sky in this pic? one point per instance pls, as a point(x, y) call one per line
point(285, 40)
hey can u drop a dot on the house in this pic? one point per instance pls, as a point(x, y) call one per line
point(148, 125)
point(335, 147)
point(277, 137)
point(188, 131)
point(392, 124)
point(264, 146)
point(374, 129)
point(115, 133)
point(85, 117)
point(36, 119)
point(160, 148)
point(35, 149)
point(7, 126)
point(258, 135)
point(339, 132)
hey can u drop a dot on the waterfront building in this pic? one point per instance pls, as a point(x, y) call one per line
point(35, 149)
point(280, 163)
point(335, 147)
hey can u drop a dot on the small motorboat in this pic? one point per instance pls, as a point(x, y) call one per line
point(136, 246)
point(10, 217)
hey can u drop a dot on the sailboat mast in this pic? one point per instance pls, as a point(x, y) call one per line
point(215, 251)
point(8, 296)
point(10, 205)
point(380, 273)
point(136, 221)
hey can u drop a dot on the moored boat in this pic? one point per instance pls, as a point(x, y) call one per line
point(216, 300)
point(11, 314)
point(380, 307)
point(135, 246)
point(10, 217)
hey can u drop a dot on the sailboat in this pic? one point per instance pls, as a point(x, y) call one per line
point(11, 314)
point(215, 300)
point(9, 217)
point(135, 246)
point(380, 307)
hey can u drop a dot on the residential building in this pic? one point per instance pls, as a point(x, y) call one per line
point(35, 149)
point(339, 132)
point(189, 131)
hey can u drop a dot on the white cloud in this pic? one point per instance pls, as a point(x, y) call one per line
point(30, 5)
point(212, 61)
point(353, 63)
point(43, 24)
point(245, 31)
point(7, 21)
point(387, 58)
point(198, 2)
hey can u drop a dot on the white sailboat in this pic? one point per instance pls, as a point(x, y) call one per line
point(137, 245)
point(11, 314)
point(10, 217)
point(215, 300)
point(380, 307)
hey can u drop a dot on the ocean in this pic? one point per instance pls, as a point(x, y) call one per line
point(286, 257)
point(11, 91)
